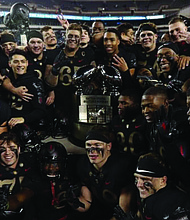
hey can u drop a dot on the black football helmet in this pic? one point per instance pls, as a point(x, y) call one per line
point(53, 157)
point(18, 18)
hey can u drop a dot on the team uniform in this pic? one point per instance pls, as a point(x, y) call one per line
point(64, 91)
point(105, 185)
point(166, 130)
point(50, 200)
point(13, 180)
point(176, 74)
point(168, 203)
point(127, 81)
point(144, 58)
point(36, 65)
point(39, 66)
point(184, 48)
point(53, 184)
point(33, 110)
point(130, 134)
point(51, 54)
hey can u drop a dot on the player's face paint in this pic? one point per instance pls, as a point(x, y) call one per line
point(49, 37)
point(97, 152)
point(166, 59)
point(148, 40)
point(8, 47)
point(9, 154)
point(73, 38)
point(146, 185)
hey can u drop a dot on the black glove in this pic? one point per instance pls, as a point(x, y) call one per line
point(174, 88)
point(163, 124)
point(119, 214)
point(179, 213)
point(160, 131)
point(3, 199)
point(175, 85)
point(72, 197)
point(58, 63)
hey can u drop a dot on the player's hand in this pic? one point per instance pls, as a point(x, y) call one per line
point(22, 92)
point(183, 62)
point(64, 22)
point(185, 36)
point(3, 199)
point(120, 63)
point(14, 121)
point(51, 97)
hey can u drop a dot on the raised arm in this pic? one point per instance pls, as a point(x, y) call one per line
point(49, 77)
